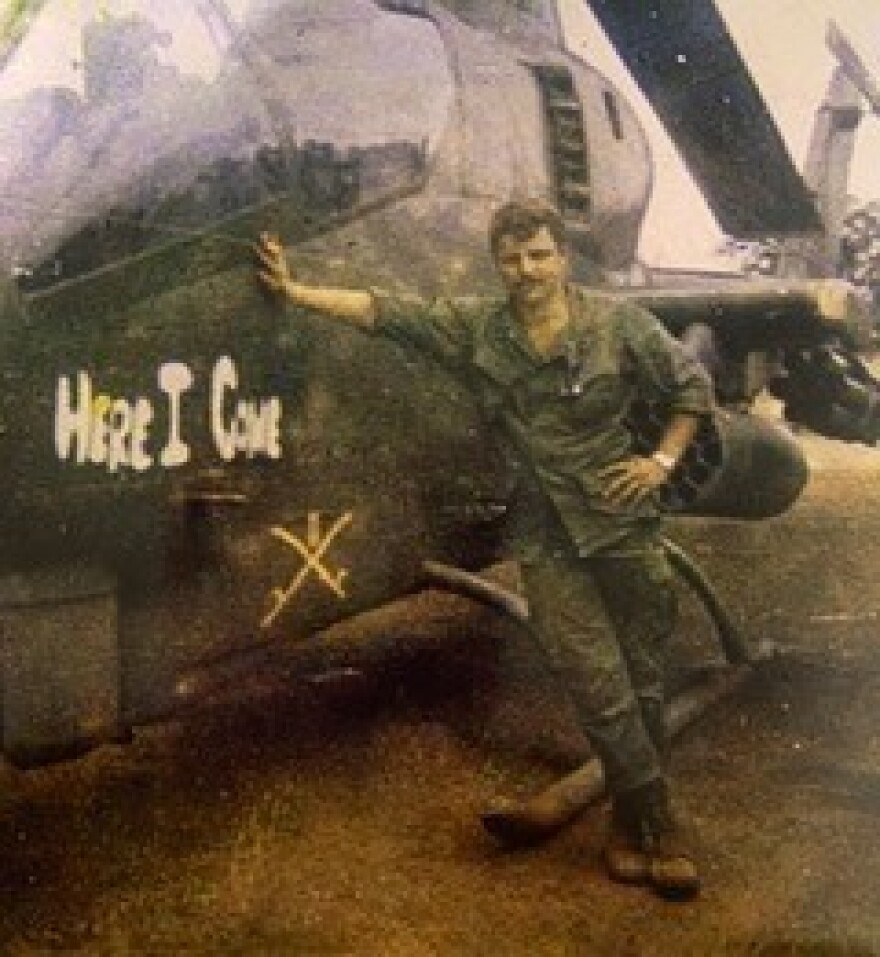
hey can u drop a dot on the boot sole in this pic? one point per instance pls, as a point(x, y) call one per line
point(681, 890)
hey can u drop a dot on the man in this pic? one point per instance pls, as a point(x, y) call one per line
point(556, 368)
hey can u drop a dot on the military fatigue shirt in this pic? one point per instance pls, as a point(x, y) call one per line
point(563, 414)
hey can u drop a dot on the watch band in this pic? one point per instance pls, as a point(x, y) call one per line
point(667, 462)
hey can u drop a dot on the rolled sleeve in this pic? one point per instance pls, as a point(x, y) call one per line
point(668, 373)
point(443, 328)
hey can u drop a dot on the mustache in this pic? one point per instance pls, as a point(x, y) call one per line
point(526, 284)
point(530, 281)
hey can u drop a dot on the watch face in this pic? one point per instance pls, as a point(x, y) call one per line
point(667, 461)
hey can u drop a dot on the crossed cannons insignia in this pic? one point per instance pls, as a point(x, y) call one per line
point(312, 552)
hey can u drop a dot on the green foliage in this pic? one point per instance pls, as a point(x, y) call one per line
point(14, 15)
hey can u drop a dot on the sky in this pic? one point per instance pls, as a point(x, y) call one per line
point(783, 43)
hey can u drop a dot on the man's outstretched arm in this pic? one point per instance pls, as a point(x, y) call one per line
point(439, 327)
point(354, 306)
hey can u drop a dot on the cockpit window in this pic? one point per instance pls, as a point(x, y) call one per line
point(128, 124)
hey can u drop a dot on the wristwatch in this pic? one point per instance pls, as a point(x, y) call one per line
point(666, 462)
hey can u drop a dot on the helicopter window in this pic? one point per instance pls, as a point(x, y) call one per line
point(165, 119)
point(613, 114)
point(123, 134)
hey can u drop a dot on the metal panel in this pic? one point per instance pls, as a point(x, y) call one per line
point(59, 664)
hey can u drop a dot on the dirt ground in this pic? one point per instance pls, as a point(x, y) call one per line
point(337, 813)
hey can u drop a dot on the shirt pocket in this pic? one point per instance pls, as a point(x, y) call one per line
point(596, 401)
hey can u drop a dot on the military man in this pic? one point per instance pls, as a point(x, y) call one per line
point(557, 367)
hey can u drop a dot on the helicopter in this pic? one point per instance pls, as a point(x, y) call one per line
point(846, 246)
point(189, 473)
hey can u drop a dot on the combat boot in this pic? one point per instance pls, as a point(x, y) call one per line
point(624, 855)
point(672, 871)
point(527, 822)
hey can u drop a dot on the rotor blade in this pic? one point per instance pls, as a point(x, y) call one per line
point(682, 57)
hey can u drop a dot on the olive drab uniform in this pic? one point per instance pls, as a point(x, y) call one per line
point(597, 581)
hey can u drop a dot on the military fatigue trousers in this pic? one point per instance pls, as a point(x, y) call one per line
point(603, 623)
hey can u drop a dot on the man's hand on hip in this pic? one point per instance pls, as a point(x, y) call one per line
point(632, 480)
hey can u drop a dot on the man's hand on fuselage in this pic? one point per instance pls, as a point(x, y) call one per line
point(354, 306)
point(276, 273)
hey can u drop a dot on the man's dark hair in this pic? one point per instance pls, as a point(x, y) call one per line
point(522, 218)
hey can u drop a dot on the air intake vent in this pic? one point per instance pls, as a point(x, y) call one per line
point(566, 147)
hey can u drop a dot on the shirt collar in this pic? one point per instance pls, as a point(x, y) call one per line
point(578, 324)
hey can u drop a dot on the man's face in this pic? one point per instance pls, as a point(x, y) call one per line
point(533, 270)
